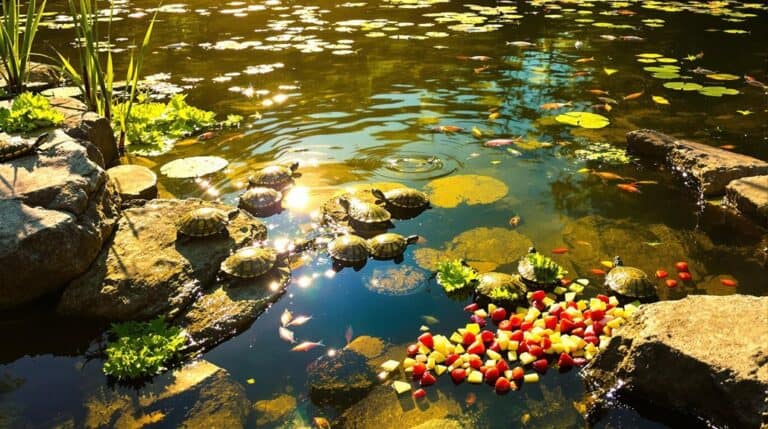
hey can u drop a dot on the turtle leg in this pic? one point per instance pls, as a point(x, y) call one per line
point(398, 259)
point(337, 266)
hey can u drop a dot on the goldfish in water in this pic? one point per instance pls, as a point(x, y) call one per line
point(348, 334)
point(514, 221)
point(597, 271)
point(628, 187)
point(286, 334)
point(754, 82)
point(553, 106)
point(321, 423)
point(481, 69)
point(475, 58)
point(285, 317)
point(580, 73)
point(633, 96)
point(494, 115)
point(447, 129)
point(728, 147)
point(501, 142)
point(521, 44)
point(298, 321)
point(585, 60)
point(632, 38)
point(560, 250)
point(430, 320)
point(607, 100)
point(307, 346)
point(597, 92)
point(607, 175)
point(206, 136)
point(608, 37)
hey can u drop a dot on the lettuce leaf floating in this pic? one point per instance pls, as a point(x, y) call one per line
point(717, 91)
point(583, 120)
point(683, 86)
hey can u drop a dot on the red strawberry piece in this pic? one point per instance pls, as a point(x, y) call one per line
point(555, 309)
point(477, 319)
point(491, 374)
point(458, 375)
point(420, 393)
point(565, 282)
point(540, 365)
point(550, 322)
point(592, 339)
point(565, 360)
point(729, 282)
point(546, 343)
point(590, 330)
point(518, 373)
point(499, 314)
point(505, 325)
point(538, 295)
point(597, 327)
point(495, 347)
point(427, 379)
point(477, 348)
point(566, 316)
point(684, 276)
point(573, 304)
point(603, 298)
point(539, 305)
point(502, 366)
point(661, 274)
point(450, 359)
point(526, 326)
point(515, 320)
point(487, 336)
point(671, 283)
point(471, 308)
point(413, 350)
point(579, 361)
point(468, 339)
point(419, 369)
point(475, 362)
point(426, 339)
point(565, 325)
point(597, 315)
point(579, 332)
point(502, 385)
point(523, 347)
point(681, 266)
point(579, 324)
point(517, 335)
point(535, 350)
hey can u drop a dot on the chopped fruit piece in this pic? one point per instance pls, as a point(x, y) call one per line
point(481, 313)
point(515, 320)
point(505, 325)
point(518, 373)
point(491, 374)
point(401, 387)
point(418, 394)
point(498, 315)
point(408, 363)
point(681, 266)
point(491, 308)
point(427, 340)
point(451, 358)
point(597, 315)
point(477, 320)
point(538, 295)
point(565, 360)
point(458, 375)
point(550, 322)
point(535, 350)
point(526, 358)
point(565, 283)
point(487, 336)
point(661, 274)
point(427, 379)
point(540, 365)
point(502, 366)
point(579, 361)
point(671, 283)
point(419, 369)
point(495, 347)
point(566, 326)
point(476, 348)
point(502, 385)
point(468, 339)
point(471, 307)
point(684, 276)
point(493, 355)
point(390, 365)
point(456, 337)
point(440, 369)
point(475, 362)
point(516, 336)
point(413, 350)
point(603, 298)
point(526, 326)
point(531, 378)
point(475, 377)
point(473, 328)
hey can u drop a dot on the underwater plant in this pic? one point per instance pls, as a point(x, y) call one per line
point(142, 348)
point(28, 113)
point(455, 275)
point(16, 41)
point(545, 269)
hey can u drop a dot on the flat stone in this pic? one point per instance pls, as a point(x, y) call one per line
point(81, 124)
point(134, 182)
point(749, 196)
point(702, 355)
point(146, 270)
point(57, 209)
point(709, 168)
point(276, 410)
point(341, 380)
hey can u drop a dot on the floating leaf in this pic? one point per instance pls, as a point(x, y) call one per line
point(722, 76)
point(649, 55)
point(717, 91)
point(667, 60)
point(735, 31)
point(609, 71)
point(683, 86)
point(583, 119)
point(476, 132)
point(471, 189)
point(659, 99)
point(196, 166)
point(745, 112)
point(669, 75)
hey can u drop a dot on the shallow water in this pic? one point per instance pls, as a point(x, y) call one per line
point(353, 92)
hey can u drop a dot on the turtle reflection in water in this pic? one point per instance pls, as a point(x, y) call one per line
point(349, 251)
point(276, 177)
point(390, 246)
point(630, 282)
point(203, 222)
point(403, 203)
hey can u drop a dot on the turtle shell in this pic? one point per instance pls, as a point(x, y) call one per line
point(349, 248)
point(631, 282)
point(259, 199)
point(273, 176)
point(15, 147)
point(203, 222)
point(387, 246)
point(501, 287)
point(250, 262)
point(367, 213)
point(406, 198)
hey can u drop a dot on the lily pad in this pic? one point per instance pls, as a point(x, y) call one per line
point(665, 75)
point(662, 69)
point(196, 166)
point(649, 55)
point(402, 280)
point(483, 248)
point(683, 86)
point(717, 91)
point(722, 76)
point(470, 189)
point(583, 119)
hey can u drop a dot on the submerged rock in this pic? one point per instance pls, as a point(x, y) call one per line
point(750, 197)
point(146, 270)
point(709, 167)
point(685, 356)
point(134, 182)
point(483, 248)
point(341, 380)
point(57, 209)
point(274, 411)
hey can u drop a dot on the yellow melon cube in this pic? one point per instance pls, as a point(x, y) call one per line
point(526, 358)
point(473, 328)
point(531, 378)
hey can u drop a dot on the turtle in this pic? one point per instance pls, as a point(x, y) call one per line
point(15, 147)
point(390, 246)
point(501, 288)
point(547, 274)
point(251, 262)
point(366, 216)
point(260, 200)
point(403, 198)
point(274, 176)
point(349, 250)
point(203, 222)
point(630, 282)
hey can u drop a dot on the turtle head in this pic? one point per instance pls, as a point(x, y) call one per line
point(617, 262)
point(294, 165)
point(411, 239)
point(532, 250)
point(378, 194)
point(344, 203)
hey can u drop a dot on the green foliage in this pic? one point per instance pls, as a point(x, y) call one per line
point(546, 270)
point(504, 293)
point(28, 113)
point(16, 41)
point(142, 348)
point(454, 275)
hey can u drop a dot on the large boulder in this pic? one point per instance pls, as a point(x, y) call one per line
point(704, 356)
point(57, 209)
point(147, 270)
point(710, 168)
point(749, 196)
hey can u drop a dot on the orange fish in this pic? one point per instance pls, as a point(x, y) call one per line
point(321, 423)
point(553, 106)
point(560, 250)
point(633, 96)
point(728, 147)
point(307, 346)
point(206, 136)
point(628, 187)
point(597, 91)
point(606, 175)
point(585, 60)
point(494, 115)
point(729, 282)
point(447, 129)
point(580, 73)
point(597, 271)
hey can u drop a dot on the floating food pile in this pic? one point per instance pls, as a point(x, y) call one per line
point(527, 341)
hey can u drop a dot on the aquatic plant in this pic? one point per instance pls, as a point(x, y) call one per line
point(455, 275)
point(142, 348)
point(545, 269)
point(28, 113)
point(16, 41)
point(154, 126)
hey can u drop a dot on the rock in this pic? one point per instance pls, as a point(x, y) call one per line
point(40, 76)
point(341, 380)
point(749, 196)
point(274, 411)
point(145, 271)
point(370, 347)
point(97, 130)
point(710, 168)
point(686, 357)
point(134, 182)
point(57, 209)
point(439, 424)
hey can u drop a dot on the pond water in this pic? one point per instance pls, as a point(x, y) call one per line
point(354, 91)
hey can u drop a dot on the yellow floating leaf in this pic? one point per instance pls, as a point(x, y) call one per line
point(583, 119)
point(470, 189)
point(476, 132)
point(659, 99)
point(250, 381)
point(495, 162)
point(584, 170)
point(494, 115)
point(609, 71)
point(722, 76)
point(745, 112)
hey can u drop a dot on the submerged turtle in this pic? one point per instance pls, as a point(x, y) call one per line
point(260, 200)
point(349, 250)
point(251, 262)
point(274, 176)
point(390, 246)
point(364, 215)
point(630, 282)
point(203, 222)
point(403, 198)
point(15, 147)
point(501, 288)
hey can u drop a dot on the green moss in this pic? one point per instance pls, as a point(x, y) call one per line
point(454, 275)
point(546, 270)
point(142, 348)
point(28, 113)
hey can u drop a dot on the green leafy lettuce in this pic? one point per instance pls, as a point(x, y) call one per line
point(142, 348)
point(545, 269)
point(455, 275)
point(28, 113)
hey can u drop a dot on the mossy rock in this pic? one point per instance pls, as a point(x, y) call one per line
point(273, 411)
point(341, 380)
point(483, 248)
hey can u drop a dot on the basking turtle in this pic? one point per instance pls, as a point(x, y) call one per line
point(403, 198)
point(539, 270)
point(366, 216)
point(274, 176)
point(251, 262)
point(260, 200)
point(390, 246)
point(203, 222)
point(349, 250)
point(15, 147)
point(501, 288)
point(630, 282)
